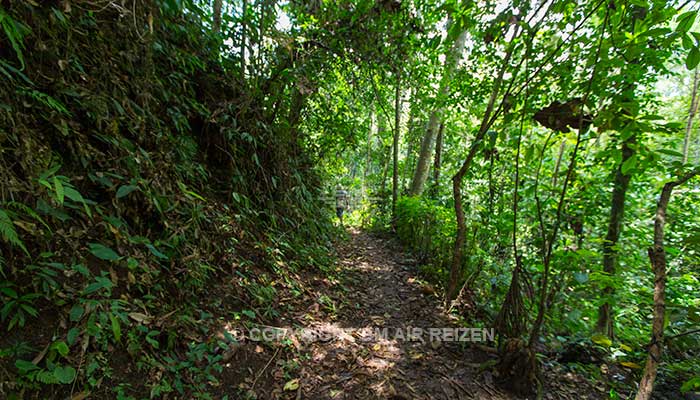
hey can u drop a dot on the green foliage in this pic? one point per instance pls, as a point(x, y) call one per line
point(693, 384)
point(147, 161)
point(16, 307)
point(8, 232)
point(427, 229)
point(15, 33)
point(144, 187)
point(103, 252)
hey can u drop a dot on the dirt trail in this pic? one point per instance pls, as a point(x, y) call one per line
point(341, 353)
point(358, 363)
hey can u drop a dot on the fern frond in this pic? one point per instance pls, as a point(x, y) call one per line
point(7, 231)
point(27, 210)
point(46, 377)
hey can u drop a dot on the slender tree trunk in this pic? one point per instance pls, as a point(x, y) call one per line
point(510, 320)
point(385, 169)
point(408, 160)
point(555, 175)
point(397, 133)
point(261, 36)
point(438, 158)
point(428, 142)
point(492, 188)
point(610, 251)
point(691, 114)
point(548, 245)
point(386, 155)
point(368, 162)
point(657, 256)
point(486, 122)
point(216, 18)
point(244, 29)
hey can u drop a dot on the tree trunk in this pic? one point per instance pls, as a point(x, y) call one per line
point(428, 141)
point(368, 162)
point(397, 132)
point(486, 122)
point(657, 256)
point(243, 36)
point(691, 114)
point(438, 159)
point(381, 126)
point(555, 175)
point(260, 42)
point(216, 17)
point(408, 159)
point(610, 251)
point(385, 169)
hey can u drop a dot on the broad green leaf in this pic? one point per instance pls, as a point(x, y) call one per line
point(61, 348)
point(103, 252)
point(65, 374)
point(72, 335)
point(25, 366)
point(691, 384)
point(78, 198)
point(670, 152)
point(76, 313)
point(628, 165)
point(685, 21)
point(101, 283)
point(80, 268)
point(687, 41)
point(116, 328)
point(693, 58)
point(125, 190)
point(156, 252)
point(60, 193)
point(73, 194)
point(9, 292)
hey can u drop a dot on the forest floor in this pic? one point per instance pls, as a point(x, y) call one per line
point(341, 353)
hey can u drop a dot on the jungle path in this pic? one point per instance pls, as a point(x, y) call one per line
point(342, 355)
point(382, 290)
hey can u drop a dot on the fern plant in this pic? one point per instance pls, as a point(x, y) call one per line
point(8, 232)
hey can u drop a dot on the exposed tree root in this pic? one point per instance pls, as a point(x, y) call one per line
point(518, 367)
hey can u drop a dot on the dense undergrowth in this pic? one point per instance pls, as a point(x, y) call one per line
point(138, 176)
point(426, 227)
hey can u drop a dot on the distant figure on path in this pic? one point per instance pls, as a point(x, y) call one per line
point(341, 202)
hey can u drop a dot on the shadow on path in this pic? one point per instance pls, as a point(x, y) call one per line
point(350, 359)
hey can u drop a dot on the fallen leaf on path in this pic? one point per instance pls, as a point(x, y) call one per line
point(139, 317)
point(630, 364)
point(80, 396)
point(292, 385)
